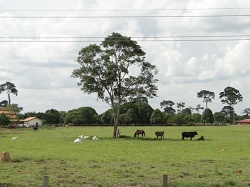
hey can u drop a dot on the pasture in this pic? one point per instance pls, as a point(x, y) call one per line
point(126, 161)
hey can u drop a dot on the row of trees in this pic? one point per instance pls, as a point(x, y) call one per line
point(230, 96)
point(131, 113)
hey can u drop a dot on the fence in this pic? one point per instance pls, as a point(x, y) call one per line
point(46, 181)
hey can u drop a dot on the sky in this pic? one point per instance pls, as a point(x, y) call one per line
point(195, 45)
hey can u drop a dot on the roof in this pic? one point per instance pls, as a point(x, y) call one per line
point(244, 121)
point(28, 119)
point(8, 113)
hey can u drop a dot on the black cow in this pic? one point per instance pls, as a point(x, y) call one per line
point(188, 135)
point(201, 138)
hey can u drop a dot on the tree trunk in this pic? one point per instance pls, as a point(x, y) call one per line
point(115, 131)
point(116, 112)
point(9, 98)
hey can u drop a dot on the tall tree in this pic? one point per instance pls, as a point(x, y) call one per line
point(9, 88)
point(231, 96)
point(105, 69)
point(206, 95)
point(180, 106)
point(198, 108)
point(192, 109)
point(246, 111)
point(168, 106)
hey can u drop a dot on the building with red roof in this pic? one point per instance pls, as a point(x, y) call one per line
point(31, 121)
point(244, 122)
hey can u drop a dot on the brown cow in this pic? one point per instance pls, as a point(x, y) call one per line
point(159, 133)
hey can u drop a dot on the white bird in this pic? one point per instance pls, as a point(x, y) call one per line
point(83, 137)
point(94, 138)
point(14, 138)
point(78, 140)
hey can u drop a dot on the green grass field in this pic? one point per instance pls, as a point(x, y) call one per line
point(126, 161)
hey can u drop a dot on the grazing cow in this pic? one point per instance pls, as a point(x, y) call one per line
point(201, 138)
point(188, 135)
point(159, 133)
point(138, 132)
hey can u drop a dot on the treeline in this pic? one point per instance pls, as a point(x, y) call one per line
point(131, 113)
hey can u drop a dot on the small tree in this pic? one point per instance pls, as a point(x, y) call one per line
point(157, 117)
point(168, 106)
point(52, 116)
point(81, 116)
point(219, 117)
point(206, 95)
point(4, 103)
point(9, 88)
point(186, 111)
point(4, 120)
point(105, 69)
point(196, 117)
point(143, 112)
point(207, 116)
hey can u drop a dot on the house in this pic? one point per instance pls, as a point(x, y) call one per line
point(10, 114)
point(31, 121)
point(244, 122)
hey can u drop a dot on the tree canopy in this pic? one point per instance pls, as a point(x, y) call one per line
point(9, 88)
point(168, 106)
point(206, 95)
point(207, 116)
point(115, 70)
point(4, 120)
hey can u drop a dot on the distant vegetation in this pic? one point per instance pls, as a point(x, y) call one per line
point(137, 111)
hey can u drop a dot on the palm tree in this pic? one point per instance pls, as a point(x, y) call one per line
point(9, 88)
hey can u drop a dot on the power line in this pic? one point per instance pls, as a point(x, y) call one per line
point(122, 10)
point(140, 37)
point(134, 16)
point(97, 41)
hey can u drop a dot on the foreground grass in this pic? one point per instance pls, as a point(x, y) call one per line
point(126, 161)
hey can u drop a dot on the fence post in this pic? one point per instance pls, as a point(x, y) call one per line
point(46, 181)
point(165, 180)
